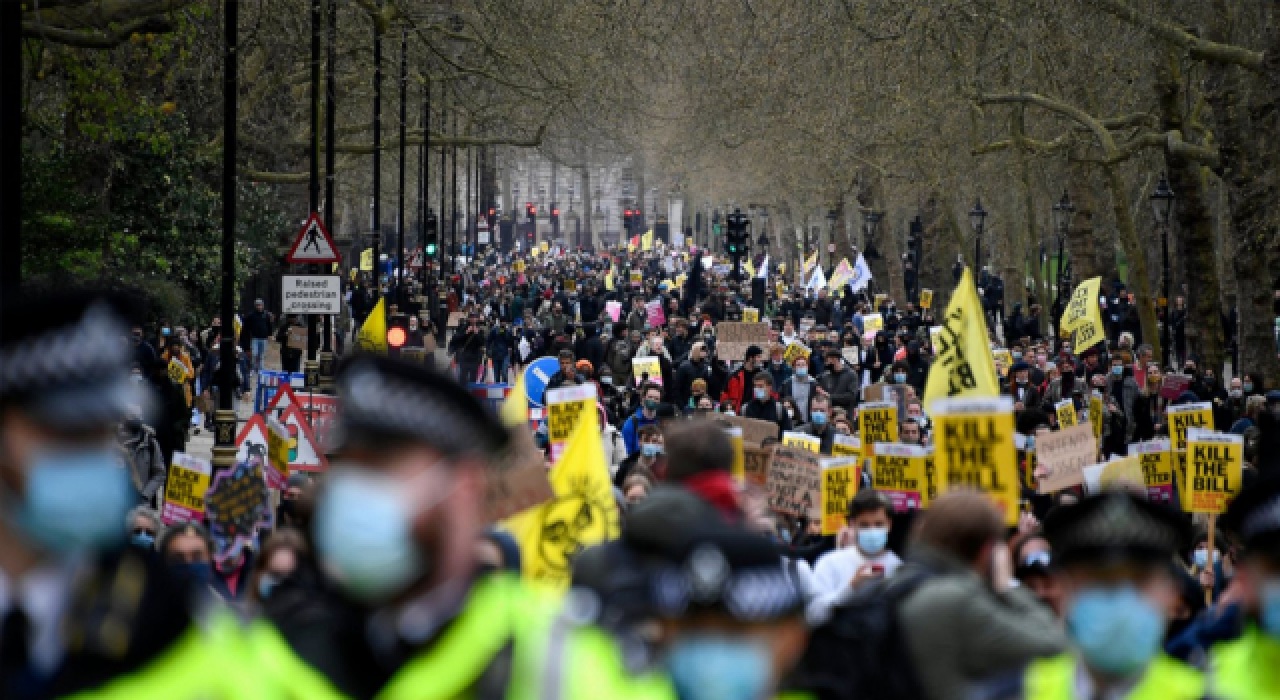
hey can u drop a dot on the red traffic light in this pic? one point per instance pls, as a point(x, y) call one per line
point(492, 211)
point(555, 212)
point(627, 212)
point(396, 336)
point(533, 210)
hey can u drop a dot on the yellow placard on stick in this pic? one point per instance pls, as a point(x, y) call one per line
point(926, 298)
point(185, 489)
point(1157, 469)
point(650, 366)
point(1097, 414)
point(750, 315)
point(1083, 316)
point(899, 472)
point(637, 278)
point(975, 449)
point(1214, 462)
point(1066, 411)
point(739, 466)
point(877, 422)
point(872, 323)
point(839, 486)
point(565, 409)
point(846, 445)
point(803, 441)
point(1180, 420)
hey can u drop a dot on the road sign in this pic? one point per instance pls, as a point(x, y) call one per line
point(311, 294)
point(313, 244)
point(415, 260)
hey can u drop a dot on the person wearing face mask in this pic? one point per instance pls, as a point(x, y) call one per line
point(863, 555)
point(713, 646)
point(839, 383)
point(395, 530)
point(144, 528)
point(646, 414)
point(738, 389)
point(1021, 389)
point(695, 368)
point(1112, 553)
point(143, 457)
point(820, 422)
point(801, 387)
point(650, 458)
point(764, 404)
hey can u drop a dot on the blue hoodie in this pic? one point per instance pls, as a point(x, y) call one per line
point(631, 429)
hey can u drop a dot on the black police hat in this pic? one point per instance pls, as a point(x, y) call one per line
point(386, 401)
point(1115, 526)
point(1255, 516)
point(725, 570)
point(64, 359)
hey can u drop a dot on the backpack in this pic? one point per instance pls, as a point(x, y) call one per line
point(860, 652)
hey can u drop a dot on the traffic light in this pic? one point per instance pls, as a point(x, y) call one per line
point(626, 222)
point(397, 332)
point(736, 240)
point(432, 237)
point(555, 220)
point(531, 212)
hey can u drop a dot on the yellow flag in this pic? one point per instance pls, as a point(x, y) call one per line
point(646, 241)
point(515, 408)
point(373, 332)
point(808, 264)
point(608, 280)
point(751, 269)
point(963, 366)
point(366, 259)
point(582, 512)
point(1082, 315)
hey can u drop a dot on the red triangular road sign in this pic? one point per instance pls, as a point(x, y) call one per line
point(310, 455)
point(252, 440)
point(313, 244)
point(284, 398)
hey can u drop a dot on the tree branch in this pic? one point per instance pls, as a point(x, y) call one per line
point(1105, 140)
point(93, 39)
point(1201, 49)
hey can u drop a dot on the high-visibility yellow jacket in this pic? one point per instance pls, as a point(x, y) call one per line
point(1054, 678)
point(1246, 668)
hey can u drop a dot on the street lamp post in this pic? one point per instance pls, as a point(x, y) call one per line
point(915, 245)
point(1062, 212)
point(831, 242)
point(978, 220)
point(1162, 206)
point(869, 222)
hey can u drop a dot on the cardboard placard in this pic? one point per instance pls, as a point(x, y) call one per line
point(975, 449)
point(185, 489)
point(795, 482)
point(1061, 455)
point(750, 315)
point(754, 431)
point(755, 464)
point(839, 486)
point(1125, 473)
point(872, 323)
point(277, 466)
point(733, 338)
point(654, 314)
point(795, 350)
point(1214, 464)
point(1097, 414)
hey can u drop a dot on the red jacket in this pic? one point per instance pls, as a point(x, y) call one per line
point(736, 389)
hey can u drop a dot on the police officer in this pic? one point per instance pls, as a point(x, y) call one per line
point(80, 613)
point(396, 526)
point(1114, 553)
point(1249, 666)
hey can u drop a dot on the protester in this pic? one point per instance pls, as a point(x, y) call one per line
point(863, 556)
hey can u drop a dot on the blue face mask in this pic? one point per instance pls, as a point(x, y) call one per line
point(1201, 557)
point(143, 540)
point(899, 378)
point(1117, 370)
point(1269, 616)
point(802, 372)
point(719, 668)
point(650, 449)
point(266, 584)
point(818, 417)
point(74, 500)
point(761, 394)
point(363, 535)
point(872, 540)
point(1116, 629)
point(194, 573)
point(1248, 386)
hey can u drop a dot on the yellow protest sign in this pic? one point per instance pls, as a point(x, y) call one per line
point(1123, 473)
point(646, 241)
point(565, 409)
point(649, 365)
point(1097, 414)
point(739, 466)
point(839, 486)
point(518, 266)
point(877, 422)
point(803, 441)
point(1214, 462)
point(880, 299)
point(750, 315)
point(1003, 360)
point(794, 350)
point(932, 481)
point(545, 246)
point(1180, 420)
point(570, 285)
point(637, 278)
point(185, 489)
point(926, 298)
point(1083, 317)
point(963, 366)
point(872, 323)
point(1157, 469)
point(975, 449)
point(1066, 411)
point(899, 472)
point(277, 454)
point(366, 260)
point(846, 445)
point(177, 371)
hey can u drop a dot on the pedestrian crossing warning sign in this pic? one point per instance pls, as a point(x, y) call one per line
point(313, 244)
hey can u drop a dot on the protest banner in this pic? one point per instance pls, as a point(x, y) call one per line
point(755, 464)
point(733, 339)
point(754, 431)
point(875, 392)
point(1060, 455)
point(839, 486)
point(872, 323)
point(637, 278)
point(1003, 360)
point(846, 445)
point(795, 482)
point(877, 422)
point(802, 441)
point(1214, 462)
point(898, 471)
point(185, 489)
point(565, 408)
point(795, 349)
point(738, 467)
point(1066, 411)
point(1180, 420)
point(1083, 316)
point(1172, 385)
point(975, 449)
point(277, 466)
point(926, 298)
point(962, 367)
point(654, 314)
point(1157, 469)
point(750, 315)
point(236, 507)
point(647, 369)
point(1096, 414)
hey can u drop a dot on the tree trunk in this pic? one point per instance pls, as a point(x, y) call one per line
point(1195, 224)
point(1080, 236)
point(1139, 281)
